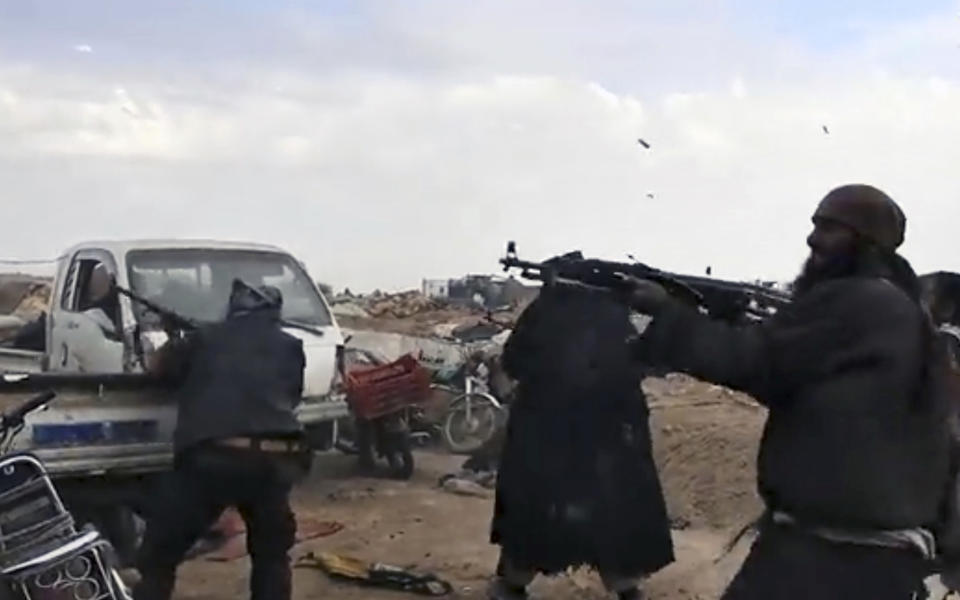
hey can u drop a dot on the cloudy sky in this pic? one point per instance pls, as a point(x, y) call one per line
point(383, 142)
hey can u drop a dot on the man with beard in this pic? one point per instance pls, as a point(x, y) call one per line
point(854, 459)
point(577, 484)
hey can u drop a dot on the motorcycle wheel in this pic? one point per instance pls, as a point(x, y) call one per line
point(462, 435)
point(400, 457)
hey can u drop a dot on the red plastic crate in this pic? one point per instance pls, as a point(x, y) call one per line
point(376, 391)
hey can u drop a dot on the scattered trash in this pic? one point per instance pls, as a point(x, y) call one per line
point(227, 540)
point(375, 574)
point(470, 483)
point(476, 331)
point(351, 495)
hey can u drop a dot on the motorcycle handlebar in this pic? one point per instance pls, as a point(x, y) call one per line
point(16, 415)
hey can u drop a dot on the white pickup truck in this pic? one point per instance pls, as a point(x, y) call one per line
point(111, 426)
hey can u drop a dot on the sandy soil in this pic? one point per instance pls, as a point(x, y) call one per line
point(705, 440)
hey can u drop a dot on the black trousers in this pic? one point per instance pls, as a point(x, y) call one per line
point(204, 482)
point(788, 564)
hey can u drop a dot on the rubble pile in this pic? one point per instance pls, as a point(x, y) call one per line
point(23, 295)
point(403, 305)
point(34, 301)
point(22, 299)
point(413, 313)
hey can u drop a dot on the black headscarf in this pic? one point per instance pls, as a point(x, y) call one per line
point(246, 299)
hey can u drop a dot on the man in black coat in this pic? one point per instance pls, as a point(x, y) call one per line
point(577, 484)
point(854, 459)
point(237, 443)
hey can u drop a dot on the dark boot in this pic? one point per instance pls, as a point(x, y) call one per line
point(155, 584)
point(631, 594)
point(501, 590)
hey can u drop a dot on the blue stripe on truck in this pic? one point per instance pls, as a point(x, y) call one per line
point(96, 432)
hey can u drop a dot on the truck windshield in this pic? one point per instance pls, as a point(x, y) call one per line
point(196, 282)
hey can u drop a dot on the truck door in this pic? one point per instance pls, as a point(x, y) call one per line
point(85, 319)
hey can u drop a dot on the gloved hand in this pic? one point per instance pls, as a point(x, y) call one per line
point(644, 296)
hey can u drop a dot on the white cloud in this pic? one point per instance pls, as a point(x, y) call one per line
point(738, 89)
point(377, 178)
point(83, 48)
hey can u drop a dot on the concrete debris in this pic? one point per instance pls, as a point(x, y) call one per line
point(445, 330)
point(24, 296)
point(467, 487)
point(10, 324)
point(415, 313)
point(23, 299)
point(476, 331)
point(34, 303)
point(403, 305)
point(350, 309)
point(483, 478)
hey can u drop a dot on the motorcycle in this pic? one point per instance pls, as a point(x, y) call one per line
point(43, 556)
point(474, 414)
point(383, 398)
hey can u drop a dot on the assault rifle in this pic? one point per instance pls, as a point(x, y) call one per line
point(172, 321)
point(731, 301)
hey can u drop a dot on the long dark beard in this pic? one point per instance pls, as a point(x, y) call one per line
point(862, 259)
point(837, 266)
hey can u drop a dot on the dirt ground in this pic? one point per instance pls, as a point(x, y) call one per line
point(705, 441)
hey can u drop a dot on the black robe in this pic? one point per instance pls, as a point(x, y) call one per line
point(577, 484)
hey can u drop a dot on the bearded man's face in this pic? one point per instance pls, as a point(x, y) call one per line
point(833, 253)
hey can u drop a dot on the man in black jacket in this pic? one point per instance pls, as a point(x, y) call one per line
point(237, 443)
point(854, 457)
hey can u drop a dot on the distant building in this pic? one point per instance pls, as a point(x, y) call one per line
point(483, 290)
point(436, 288)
